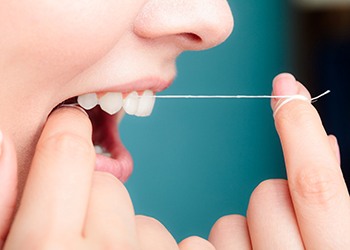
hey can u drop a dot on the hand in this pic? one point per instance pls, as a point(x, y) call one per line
point(68, 205)
point(312, 209)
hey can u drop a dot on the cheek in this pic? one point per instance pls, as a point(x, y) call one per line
point(71, 33)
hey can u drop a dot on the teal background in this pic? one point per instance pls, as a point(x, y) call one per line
point(197, 160)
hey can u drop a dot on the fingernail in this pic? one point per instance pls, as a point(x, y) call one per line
point(76, 106)
point(285, 85)
point(337, 149)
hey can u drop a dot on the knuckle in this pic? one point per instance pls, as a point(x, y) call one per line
point(299, 113)
point(316, 186)
point(47, 246)
point(125, 245)
point(106, 183)
point(67, 143)
point(226, 226)
point(196, 242)
point(115, 243)
point(268, 188)
point(150, 223)
point(51, 244)
point(148, 220)
point(228, 222)
point(105, 179)
point(108, 245)
point(266, 196)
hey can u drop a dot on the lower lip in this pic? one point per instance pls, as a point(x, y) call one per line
point(121, 166)
point(152, 83)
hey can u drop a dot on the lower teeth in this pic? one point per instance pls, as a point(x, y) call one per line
point(102, 151)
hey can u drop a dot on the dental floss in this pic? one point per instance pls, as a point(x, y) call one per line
point(234, 96)
point(283, 102)
point(287, 97)
point(315, 99)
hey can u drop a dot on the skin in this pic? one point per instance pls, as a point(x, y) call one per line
point(46, 59)
point(311, 209)
point(54, 50)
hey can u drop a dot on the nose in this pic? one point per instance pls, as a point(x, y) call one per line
point(193, 24)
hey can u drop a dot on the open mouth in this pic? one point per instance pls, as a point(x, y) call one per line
point(105, 112)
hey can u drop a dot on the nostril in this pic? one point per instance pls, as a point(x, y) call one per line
point(190, 25)
point(191, 37)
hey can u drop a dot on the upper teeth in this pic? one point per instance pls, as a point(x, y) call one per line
point(131, 103)
point(112, 102)
point(88, 101)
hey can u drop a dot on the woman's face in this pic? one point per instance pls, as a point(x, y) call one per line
point(52, 50)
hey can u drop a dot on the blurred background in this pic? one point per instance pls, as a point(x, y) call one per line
point(197, 160)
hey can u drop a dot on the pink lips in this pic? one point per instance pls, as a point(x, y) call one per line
point(152, 83)
point(121, 166)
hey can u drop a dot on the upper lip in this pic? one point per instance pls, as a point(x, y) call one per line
point(154, 84)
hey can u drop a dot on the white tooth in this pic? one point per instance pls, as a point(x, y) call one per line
point(107, 154)
point(101, 151)
point(146, 104)
point(98, 149)
point(111, 102)
point(131, 103)
point(88, 101)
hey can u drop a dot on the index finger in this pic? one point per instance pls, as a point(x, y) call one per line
point(58, 186)
point(316, 184)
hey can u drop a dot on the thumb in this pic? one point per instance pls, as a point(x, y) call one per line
point(8, 185)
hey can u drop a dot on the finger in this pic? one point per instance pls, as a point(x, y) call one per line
point(8, 185)
point(230, 233)
point(335, 147)
point(58, 186)
point(316, 184)
point(195, 243)
point(153, 235)
point(271, 219)
point(110, 218)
